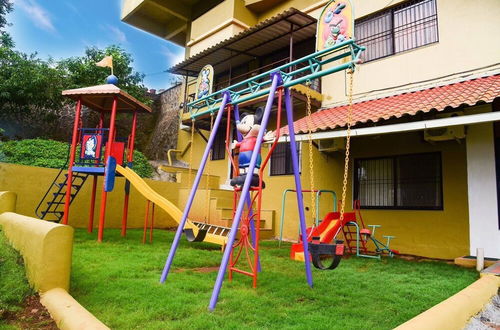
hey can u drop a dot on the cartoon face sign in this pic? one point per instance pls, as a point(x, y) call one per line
point(250, 124)
point(204, 82)
point(91, 146)
point(335, 24)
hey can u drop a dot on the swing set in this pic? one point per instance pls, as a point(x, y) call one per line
point(241, 256)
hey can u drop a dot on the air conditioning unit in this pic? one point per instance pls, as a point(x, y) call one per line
point(331, 145)
point(444, 133)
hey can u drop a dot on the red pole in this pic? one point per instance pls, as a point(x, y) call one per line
point(145, 222)
point(152, 224)
point(74, 142)
point(130, 159)
point(104, 195)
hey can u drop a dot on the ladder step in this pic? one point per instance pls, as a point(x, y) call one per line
point(56, 203)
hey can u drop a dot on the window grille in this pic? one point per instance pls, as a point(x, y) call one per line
point(219, 145)
point(407, 26)
point(281, 159)
point(400, 182)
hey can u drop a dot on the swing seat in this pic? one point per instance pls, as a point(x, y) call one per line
point(366, 232)
point(320, 250)
point(198, 238)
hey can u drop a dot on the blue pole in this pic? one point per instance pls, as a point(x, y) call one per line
point(197, 179)
point(239, 137)
point(244, 192)
point(298, 185)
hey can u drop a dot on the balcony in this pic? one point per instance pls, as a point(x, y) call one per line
point(267, 45)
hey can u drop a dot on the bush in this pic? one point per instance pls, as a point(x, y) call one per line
point(53, 154)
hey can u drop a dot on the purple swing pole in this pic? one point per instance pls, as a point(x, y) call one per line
point(244, 192)
point(197, 179)
point(298, 185)
point(239, 137)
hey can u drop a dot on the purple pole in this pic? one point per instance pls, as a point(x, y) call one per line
point(298, 185)
point(197, 179)
point(244, 192)
point(239, 137)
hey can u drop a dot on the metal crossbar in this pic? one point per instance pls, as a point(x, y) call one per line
point(309, 67)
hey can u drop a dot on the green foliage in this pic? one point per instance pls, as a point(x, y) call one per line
point(117, 281)
point(35, 152)
point(141, 165)
point(81, 71)
point(53, 154)
point(14, 287)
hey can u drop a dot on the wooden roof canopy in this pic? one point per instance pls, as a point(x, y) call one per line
point(100, 98)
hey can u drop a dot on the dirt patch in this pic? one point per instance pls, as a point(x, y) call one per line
point(33, 316)
point(198, 270)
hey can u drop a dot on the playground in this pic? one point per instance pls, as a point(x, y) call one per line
point(106, 247)
point(118, 282)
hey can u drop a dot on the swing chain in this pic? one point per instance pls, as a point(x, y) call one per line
point(311, 160)
point(191, 154)
point(207, 194)
point(347, 145)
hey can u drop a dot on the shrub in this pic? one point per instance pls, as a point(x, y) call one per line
point(53, 154)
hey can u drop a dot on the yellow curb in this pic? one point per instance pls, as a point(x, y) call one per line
point(455, 312)
point(68, 313)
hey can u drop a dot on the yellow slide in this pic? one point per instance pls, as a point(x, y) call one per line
point(165, 204)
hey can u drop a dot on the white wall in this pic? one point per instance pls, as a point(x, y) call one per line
point(481, 176)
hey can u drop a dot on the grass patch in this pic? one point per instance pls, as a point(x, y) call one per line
point(118, 281)
point(14, 287)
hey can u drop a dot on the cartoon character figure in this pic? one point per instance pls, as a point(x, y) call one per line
point(90, 147)
point(335, 26)
point(249, 127)
point(204, 86)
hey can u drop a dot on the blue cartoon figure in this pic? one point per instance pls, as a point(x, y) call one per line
point(90, 147)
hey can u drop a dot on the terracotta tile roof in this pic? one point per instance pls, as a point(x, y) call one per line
point(468, 92)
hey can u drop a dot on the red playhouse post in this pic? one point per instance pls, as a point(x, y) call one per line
point(130, 159)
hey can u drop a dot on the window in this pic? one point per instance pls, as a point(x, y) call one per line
point(410, 25)
point(281, 159)
point(219, 145)
point(400, 182)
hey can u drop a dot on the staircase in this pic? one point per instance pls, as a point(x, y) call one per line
point(220, 205)
point(51, 207)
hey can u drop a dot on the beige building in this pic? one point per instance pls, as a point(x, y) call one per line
point(424, 157)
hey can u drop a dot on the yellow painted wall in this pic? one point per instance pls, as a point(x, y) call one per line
point(46, 249)
point(30, 184)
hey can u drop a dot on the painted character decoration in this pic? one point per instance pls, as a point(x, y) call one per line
point(204, 82)
point(249, 127)
point(90, 146)
point(335, 25)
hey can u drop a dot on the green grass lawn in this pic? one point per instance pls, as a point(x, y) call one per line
point(118, 281)
point(14, 287)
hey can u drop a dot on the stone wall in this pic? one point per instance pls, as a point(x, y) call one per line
point(164, 134)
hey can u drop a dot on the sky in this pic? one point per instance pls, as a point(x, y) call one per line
point(64, 28)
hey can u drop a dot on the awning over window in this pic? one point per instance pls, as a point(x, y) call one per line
point(259, 40)
point(469, 92)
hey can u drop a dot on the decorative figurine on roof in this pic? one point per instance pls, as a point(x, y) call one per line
point(204, 82)
point(249, 127)
point(334, 24)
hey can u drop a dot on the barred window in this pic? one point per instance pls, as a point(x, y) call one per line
point(281, 159)
point(400, 182)
point(407, 26)
point(219, 145)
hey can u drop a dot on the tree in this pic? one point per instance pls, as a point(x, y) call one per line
point(81, 71)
